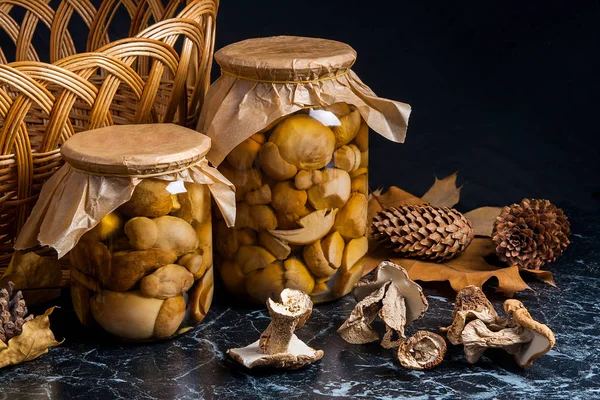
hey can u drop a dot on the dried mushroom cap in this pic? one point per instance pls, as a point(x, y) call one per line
point(357, 327)
point(472, 298)
point(478, 327)
point(299, 355)
point(423, 350)
point(278, 346)
point(416, 303)
point(386, 302)
point(543, 337)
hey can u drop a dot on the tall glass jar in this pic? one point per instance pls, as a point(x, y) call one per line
point(132, 208)
point(290, 125)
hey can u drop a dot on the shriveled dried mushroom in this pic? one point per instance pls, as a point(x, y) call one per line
point(478, 327)
point(278, 346)
point(394, 297)
point(423, 350)
point(416, 303)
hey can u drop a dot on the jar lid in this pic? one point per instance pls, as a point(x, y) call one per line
point(135, 150)
point(286, 59)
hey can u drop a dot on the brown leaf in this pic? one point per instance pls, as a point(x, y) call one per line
point(34, 341)
point(544, 276)
point(469, 268)
point(483, 220)
point(444, 192)
point(393, 197)
point(31, 271)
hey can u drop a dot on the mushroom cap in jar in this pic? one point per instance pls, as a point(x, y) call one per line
point(304, 142)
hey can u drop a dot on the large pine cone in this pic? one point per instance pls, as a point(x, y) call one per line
point(12, 313)
point(531, 234)
point(423, 231)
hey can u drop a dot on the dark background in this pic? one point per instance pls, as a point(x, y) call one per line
point(506, 92)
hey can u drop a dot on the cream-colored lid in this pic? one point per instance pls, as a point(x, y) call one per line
point(135, 150)
point(286, 58)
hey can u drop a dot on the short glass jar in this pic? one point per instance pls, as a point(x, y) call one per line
point(290, 124)
point(132, 208)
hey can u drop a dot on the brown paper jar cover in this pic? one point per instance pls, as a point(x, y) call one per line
point(132, 208)
point(264, 79)
point(300, 166)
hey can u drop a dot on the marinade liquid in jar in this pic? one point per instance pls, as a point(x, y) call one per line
point(290, 125)
point(132, 205)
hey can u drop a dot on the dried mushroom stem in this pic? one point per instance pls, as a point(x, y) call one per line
point(423, 350)
point(291, 313)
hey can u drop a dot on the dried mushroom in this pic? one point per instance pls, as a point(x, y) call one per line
point(416, 303)
point(423, 350)
point(478, 327)
point(278, 346)
point(392, 296)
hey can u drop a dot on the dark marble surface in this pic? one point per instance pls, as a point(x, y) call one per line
point(196, 366)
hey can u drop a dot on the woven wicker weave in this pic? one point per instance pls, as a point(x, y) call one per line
point(138, 79)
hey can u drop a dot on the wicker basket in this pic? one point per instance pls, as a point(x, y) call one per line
point(138, 79)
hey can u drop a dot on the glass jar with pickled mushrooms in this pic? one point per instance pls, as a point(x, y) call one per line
point(292, 136)
point(136, 222)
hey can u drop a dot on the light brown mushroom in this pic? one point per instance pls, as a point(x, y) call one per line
point(169, 317)
point(126, 314)
point(360, 184)
point(287, 199)
point(352, 219)
point(127, 267)
point(251, 258)
point(267, 282)
point(142, 233)
point(362, 137)
point(194, 263)
point(333, 191)
point(348, 129)
point(278, 346)
point(297, 276)
point(304, 142)
point(175, 235)
point(347, 157)
point(273, 164)
point(317, 262)
point(478, 327)
point(149, 199)
point(279, 248)
point(109, 227)
point(306, 179)
point(167, 281)
point(423, 350)
point(313, 227)
point(339, 109)
point(262, 195)
point(201, 296)
point(195, 203)
point(259, 217)
point(244, 181)
point(244, 154)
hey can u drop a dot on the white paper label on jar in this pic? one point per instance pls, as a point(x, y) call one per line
point(176, 187)
point(327, 118)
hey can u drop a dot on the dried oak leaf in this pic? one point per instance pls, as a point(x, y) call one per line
point(469, 268)
point(444, 192)
point(31, 271)
point(483, 220)
point(34, 341)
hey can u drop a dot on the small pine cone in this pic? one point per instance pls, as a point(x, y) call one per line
point(423, 231)
point(13, 311)
point(531, 234)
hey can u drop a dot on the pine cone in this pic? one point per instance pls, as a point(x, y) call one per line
point(423, 231)
point(531, 234)
point(12, 313)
